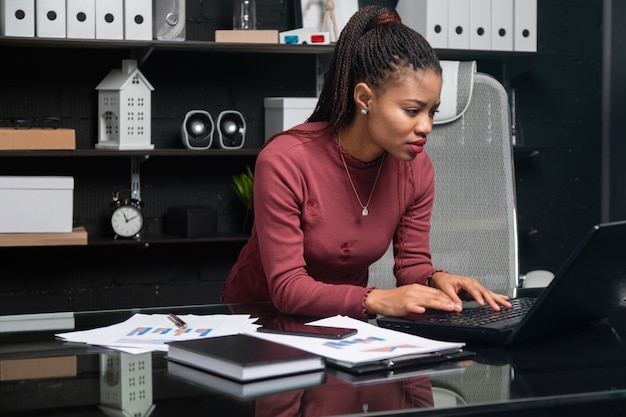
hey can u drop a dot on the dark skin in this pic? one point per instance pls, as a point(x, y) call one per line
point(396, 117)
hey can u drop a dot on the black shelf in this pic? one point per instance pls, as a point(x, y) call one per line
point(209, 46)
point(153, 239)
point(155, 45)
point(121, 154)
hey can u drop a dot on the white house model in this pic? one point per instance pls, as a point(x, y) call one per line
point(124, 107)
point(126, 384)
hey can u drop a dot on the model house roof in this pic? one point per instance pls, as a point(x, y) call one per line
point(118, 79)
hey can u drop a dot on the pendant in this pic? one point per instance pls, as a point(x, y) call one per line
point(364, 212)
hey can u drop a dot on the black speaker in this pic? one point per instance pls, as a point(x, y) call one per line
point(168, 19)
point(197, 130)
point(231, 129)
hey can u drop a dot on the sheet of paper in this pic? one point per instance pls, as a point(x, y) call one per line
point(370, 344)
point(149, 332)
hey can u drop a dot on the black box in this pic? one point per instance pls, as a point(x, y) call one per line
point(191, 221)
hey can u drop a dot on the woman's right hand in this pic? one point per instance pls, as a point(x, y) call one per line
point(412, 298)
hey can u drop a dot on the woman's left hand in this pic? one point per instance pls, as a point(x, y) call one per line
point(453, 285)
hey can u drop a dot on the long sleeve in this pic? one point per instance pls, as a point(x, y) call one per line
point(310, 247)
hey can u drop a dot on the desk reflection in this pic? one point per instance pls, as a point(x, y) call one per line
point(338, 397)
point(126, 384)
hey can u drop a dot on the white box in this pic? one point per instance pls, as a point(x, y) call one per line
point(50, 18)
point(81, 19)
point(17, 18)
point(502, 25)
point(36, 204)
point(525, 25)
point(458, 24)
point(110, 19)
point(282, 113)
point(138, 19)
point(428, 17)
point(480, 25)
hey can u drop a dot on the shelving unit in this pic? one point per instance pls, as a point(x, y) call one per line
point(57, 77)
point(151, 55)
point(89, 166)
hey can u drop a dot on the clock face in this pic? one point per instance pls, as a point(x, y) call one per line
point(127, 221)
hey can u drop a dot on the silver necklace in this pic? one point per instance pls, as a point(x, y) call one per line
point(364, 210)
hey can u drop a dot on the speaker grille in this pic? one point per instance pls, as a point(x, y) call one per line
point(231, 127)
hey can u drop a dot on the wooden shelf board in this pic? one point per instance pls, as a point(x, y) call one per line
point(77, 237)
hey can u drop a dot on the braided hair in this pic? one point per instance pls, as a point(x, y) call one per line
point(373, 46)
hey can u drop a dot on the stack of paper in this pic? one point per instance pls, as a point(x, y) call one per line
point(370, 346)
point(149, 332)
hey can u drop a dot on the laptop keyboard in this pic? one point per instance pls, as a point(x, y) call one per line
point(482, 315)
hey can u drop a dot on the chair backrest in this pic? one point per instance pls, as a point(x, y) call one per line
point(474, 219)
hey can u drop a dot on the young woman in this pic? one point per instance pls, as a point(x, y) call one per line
point(332, 193)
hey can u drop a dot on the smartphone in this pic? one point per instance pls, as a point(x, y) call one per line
point(301, 329)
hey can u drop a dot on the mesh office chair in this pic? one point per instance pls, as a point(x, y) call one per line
point(474, 221)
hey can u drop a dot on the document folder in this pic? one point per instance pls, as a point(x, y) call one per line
point(525, 26)
point(502, 25)
point(480, 25)
point(428, 17)
point(81, 19)
point(458, 24)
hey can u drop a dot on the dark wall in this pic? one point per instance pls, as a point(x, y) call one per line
point(558, 103)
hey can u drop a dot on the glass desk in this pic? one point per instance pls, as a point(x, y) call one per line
point(578, 373)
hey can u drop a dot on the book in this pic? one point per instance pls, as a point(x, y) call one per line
point(243, 358)
point(244, 390)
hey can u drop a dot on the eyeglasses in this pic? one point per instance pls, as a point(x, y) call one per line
point(49, 122)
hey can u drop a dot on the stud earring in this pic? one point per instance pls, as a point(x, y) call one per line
point(364, 111)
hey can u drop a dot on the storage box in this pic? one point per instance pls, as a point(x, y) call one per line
point(81, 19)
point(192, 221)
point(282, 113)
point(36, 204)
point(50, 18)
point(110, 19)
point(17, 18)
point(36, 139)
point(138, 20)
point(247, 36)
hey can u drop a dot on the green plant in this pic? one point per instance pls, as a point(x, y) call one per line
point(242, 186)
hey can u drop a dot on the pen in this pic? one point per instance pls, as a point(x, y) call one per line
point(177, 321)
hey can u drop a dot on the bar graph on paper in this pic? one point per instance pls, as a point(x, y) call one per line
point(147, 332)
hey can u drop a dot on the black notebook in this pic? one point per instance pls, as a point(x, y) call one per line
point(587, 288)
point(243, 358)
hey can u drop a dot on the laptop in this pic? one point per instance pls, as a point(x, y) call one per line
point(588, 287)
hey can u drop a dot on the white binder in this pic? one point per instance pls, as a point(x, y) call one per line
point(502, 25)
point(17, 18)
point(458, 24)
point(428, 17)
point(50, 20)
point(138, 19)
point(525, 25)
point(81, 19)
point(480, 24)
point(110, 19)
